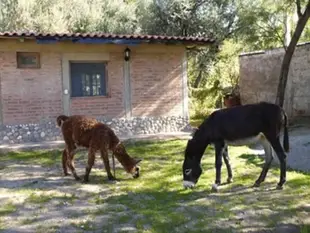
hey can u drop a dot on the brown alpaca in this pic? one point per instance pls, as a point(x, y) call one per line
point(87, 132)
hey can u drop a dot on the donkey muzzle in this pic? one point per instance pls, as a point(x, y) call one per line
point(188, 184)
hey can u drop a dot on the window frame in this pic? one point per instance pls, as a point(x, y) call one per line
point(20, 65)
point(106, 79)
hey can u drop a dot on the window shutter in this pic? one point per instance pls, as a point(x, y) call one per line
point(79, 71)
point(76, 80)
point(103, 88)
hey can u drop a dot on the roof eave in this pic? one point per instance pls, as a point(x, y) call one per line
point(188, 42)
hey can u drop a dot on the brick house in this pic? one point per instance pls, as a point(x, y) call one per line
point(137, 84)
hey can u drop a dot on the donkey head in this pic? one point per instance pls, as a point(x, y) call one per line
point(191, 167)
point(191, 172)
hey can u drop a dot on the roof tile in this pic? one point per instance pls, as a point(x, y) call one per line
point(158, 38)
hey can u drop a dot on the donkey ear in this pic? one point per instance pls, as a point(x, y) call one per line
point(138, 160)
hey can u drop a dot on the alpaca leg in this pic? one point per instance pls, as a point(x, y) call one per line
point(64, 162)
point(90, 163)
point(105, 158)
point(70, 162)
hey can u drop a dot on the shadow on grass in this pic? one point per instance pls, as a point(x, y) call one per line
point(259, 160)
point(187, 211)
point(202, 211)
point(253, 159)
point(54, 181)
point(41, 157)
point(154, 202)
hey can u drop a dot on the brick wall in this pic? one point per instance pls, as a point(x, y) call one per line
point(156, 87)
point(111, 106)
point(259, 75)
point(30, 95)
point(156, 81)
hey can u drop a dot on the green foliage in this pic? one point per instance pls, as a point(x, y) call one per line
point(110, 16)
point(221, 78)
point(186, 17)
point(237, 25)
point(262, 23)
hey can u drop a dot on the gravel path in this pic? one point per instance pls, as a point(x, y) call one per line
point(56, 201)
point(298, 158)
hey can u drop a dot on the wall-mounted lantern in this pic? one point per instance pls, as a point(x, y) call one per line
point(127, 54)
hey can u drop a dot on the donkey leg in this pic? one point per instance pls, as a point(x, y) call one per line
point(218, 161)
point(282, 158)
point(64, 162)
point(268, 161)
point(227, 163)
point(105, 158)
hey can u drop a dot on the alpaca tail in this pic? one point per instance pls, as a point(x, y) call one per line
point(61, 119)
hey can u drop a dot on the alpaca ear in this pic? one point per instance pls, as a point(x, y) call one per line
point(138, 161)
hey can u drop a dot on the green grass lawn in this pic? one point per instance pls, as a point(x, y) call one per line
point(156, 201)
point(195, 122)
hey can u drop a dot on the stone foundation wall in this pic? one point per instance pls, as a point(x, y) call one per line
point(47, 131)
point(259, 77)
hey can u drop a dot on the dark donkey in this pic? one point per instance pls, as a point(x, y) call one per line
point(87, 132)
point(239, 125)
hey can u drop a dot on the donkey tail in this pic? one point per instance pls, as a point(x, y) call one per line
point(61, 119)
point(285, 136)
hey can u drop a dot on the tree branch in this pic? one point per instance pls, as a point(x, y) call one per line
point(196, 5)
point(302, 21)
point(280, 38)
point(230, 31)
point(298, 5)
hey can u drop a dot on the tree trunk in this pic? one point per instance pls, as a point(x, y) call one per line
point(198, 79)
point(287, 30)
point(289, 53)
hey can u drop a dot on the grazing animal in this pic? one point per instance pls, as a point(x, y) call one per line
point(87, 132)
point(231, 100)
point(239, 125)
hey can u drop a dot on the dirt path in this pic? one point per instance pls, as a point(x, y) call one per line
point(56, 201)
point(298, 158)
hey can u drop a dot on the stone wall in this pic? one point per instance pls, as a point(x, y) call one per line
point(259, 75)
point(47, 131)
